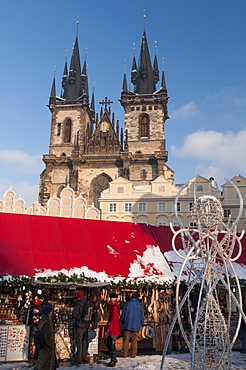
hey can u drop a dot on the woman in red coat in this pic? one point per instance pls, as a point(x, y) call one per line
point(112, 328)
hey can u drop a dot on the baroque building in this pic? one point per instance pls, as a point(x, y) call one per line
point(88, 152)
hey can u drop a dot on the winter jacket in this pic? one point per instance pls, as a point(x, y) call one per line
point(84, 313)
point(113, 324)
point(46, 356)
point(132, 315)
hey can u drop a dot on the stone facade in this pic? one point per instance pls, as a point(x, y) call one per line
point(89, 153)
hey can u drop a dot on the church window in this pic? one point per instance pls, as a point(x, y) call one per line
point(144, 175)
point(58, 129)
point(155, 107)
point(68, 129)
point(138, 108)
point(132, 108)
point(150, 107)
point(191, 204)
point(144, 126)
point(144, 108)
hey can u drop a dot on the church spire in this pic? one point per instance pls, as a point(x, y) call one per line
point(71, 80)
point(146, 78)
point(53, 89)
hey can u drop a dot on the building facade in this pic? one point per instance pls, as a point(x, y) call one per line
point(89, 152)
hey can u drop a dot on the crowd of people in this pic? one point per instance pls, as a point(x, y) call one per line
point(126, 324)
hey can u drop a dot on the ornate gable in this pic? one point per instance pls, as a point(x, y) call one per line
point(104, 139)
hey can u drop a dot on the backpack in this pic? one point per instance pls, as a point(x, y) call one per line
point(87, 313)
point(38, 338)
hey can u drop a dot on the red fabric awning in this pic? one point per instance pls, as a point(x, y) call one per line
point(34, 243)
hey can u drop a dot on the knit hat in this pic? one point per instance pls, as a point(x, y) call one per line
point(80, 295)
point(46, 309)
point(113, 295)
point(135, 295)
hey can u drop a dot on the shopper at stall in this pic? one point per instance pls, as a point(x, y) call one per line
point(133, 319)
point(46, 355)
point(112, 330)
point(84, 314)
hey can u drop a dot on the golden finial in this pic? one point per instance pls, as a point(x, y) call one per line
point(155, 46)
point(125, 66)
point(73, 46)
point(162, 63)
point(144, 17)
point(77, 25)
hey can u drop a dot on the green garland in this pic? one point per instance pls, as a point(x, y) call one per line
point(20, 281)
point(134, 284)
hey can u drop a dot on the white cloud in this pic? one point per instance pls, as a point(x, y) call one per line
point(216, 153)
point(18, 160)
point(186, 111)
point(229, 96)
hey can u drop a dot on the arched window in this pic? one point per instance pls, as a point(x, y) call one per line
point(68, 129)
point(144, 126)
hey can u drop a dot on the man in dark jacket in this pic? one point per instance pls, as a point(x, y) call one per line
point(84, 314)
point(133, 319)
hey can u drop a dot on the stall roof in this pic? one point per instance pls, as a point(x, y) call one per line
point(40, 246)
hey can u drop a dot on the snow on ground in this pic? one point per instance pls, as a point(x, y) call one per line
point(172, 362)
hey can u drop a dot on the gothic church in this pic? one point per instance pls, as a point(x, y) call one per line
point(87, 151)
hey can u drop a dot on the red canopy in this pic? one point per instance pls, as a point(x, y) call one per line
point(35, 243)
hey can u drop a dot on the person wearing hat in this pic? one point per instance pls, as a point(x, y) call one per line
point(112, 329)
point(132, 318)
point(46, 355)
point(84, 314)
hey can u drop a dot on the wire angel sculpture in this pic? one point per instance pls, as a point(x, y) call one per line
point(209, 252)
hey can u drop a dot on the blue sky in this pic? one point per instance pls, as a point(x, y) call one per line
point(204, 48)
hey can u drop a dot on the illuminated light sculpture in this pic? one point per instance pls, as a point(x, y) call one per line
point(209, 253)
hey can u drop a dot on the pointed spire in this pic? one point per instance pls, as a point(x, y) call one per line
point(72, 89)
point(124, 86)
point(93, 100)
point(145, 82)
point(65, 73)
point(163, 80)
point(134, 70)
point(155, 70)
point(53, 88)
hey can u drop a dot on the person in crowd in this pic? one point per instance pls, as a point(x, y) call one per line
point(112, 330)
point(244, 331)
point(84, 314)
point(133, 319)
point(46, 356)
point(47, 300)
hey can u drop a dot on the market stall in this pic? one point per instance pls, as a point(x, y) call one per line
point(59, 255)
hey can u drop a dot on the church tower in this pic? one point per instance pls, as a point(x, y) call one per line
point(145, 115)
point(88, 152)
point(83, 152)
